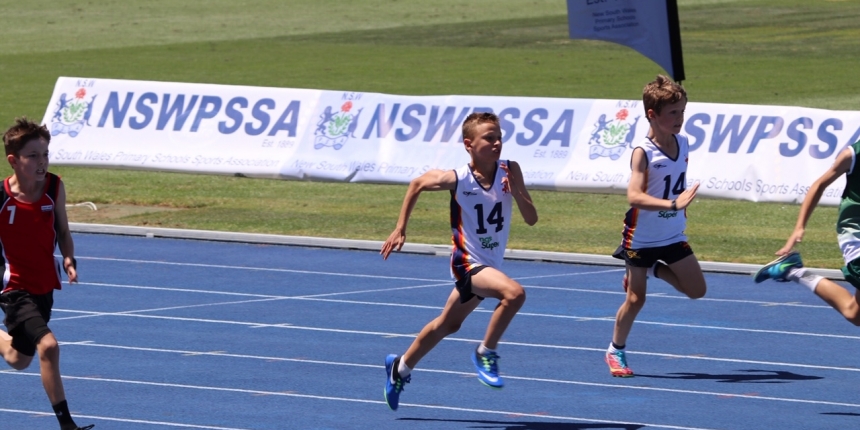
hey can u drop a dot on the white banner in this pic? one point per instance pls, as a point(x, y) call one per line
point(758, 153)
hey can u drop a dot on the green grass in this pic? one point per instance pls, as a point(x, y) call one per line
point(768, 52)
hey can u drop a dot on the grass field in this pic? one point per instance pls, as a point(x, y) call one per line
point(768, 52)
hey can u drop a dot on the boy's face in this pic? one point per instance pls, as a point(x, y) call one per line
point(486, 145)
point(31, 163)
point(670, 119)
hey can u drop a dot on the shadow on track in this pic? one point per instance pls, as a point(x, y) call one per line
point(749, 375)
point(519, 425)
point(844, 414)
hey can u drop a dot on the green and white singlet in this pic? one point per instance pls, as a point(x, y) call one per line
point(848, 221)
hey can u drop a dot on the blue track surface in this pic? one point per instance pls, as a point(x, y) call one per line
point(166, 333)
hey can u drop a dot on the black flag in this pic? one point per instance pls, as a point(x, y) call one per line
point(650, 27)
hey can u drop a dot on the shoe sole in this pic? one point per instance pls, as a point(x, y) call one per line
point(491, 386)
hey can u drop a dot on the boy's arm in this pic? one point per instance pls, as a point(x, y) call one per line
point(433, 180)
point(64, 235)
point(640, 199)
point(513, 183)
point(840, 166)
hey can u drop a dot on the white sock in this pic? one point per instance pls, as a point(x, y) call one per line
point(612, 348)
point(402, 369)
point(804, 277)
point(483, 350)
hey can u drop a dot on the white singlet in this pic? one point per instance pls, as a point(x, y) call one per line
point(665, 178)
point(480, 222)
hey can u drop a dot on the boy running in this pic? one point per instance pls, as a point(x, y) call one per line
point(653, 240)
point(481, 200)
point(32, 222)
point(789, 266)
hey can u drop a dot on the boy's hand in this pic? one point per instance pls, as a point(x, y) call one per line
point(685, 198)
point(506, 181)
point(795, 238)
point(394, 242)
point(70, 266)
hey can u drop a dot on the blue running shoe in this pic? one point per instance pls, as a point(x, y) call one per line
point(778, 269)
point(488, 369)
point(393, 382)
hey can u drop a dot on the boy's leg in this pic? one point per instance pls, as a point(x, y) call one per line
point(633, 303)
point(446, 323)
point(789, 267)
point(49, 366)
point(15, 359)
point(840, 299)
point(493, 283)
point(685, 275)
point(624, 318)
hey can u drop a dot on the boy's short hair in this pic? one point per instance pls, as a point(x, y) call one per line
point(22, 132)
point(476, 118)
point(661, 92)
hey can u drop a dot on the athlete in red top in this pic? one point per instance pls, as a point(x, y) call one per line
point(33, 222)
point(28, 237)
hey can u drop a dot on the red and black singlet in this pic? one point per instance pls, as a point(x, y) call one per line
point(28, 237)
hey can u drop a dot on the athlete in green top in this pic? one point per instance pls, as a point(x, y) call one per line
point(789, 267)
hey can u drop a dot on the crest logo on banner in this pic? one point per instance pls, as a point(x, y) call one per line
point(72, 114)
point(335, 128)
point(611, 137)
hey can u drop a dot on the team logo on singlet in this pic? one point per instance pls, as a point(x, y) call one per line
point(611, 137)
point(72, 113)
point(487, 243)
point(336, 125)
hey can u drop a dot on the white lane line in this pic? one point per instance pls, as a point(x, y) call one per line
point(446, 281)
point(317, 297)
point(264, 298)
point(354, 400)
point(290, 326)
point(258, 269)
point(619, 292)
point(557, 275)
point(440, 371)
point(270, 296)
point(121, 420)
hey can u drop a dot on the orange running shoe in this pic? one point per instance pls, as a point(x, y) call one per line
point(618, 364)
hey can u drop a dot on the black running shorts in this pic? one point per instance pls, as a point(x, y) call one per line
point(27, 317)
point(646, 257)
point(464, 285)
point(852, 273)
